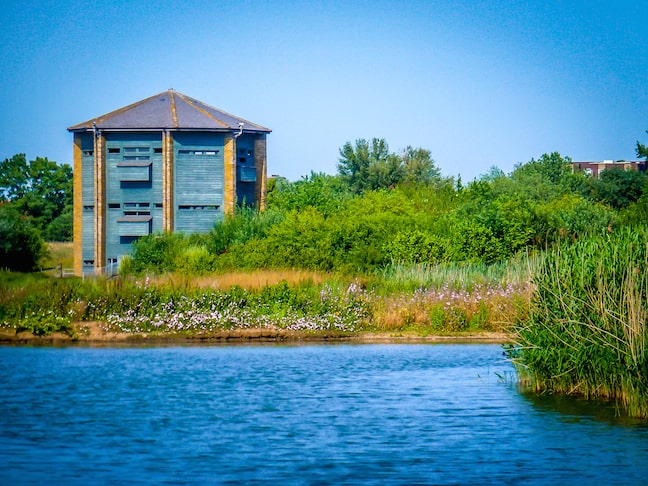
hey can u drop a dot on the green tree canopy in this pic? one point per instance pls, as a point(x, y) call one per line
point(642, 150)
point(318, 190)
point(553, 168)
point(370, 166)
point(39, 189)
point(419, 167)
point(616, 187)
point(21, 246)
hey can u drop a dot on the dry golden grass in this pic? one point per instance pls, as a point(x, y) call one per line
point(252, 280)
point(60, 253)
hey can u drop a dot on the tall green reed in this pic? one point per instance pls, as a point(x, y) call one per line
point(456, 276)
point(586, 331)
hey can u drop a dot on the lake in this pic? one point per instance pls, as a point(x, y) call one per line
point(299, 414)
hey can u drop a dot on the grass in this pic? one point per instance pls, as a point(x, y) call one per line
point(456, 276)
point(586, 332)
point(453, 297)
point(59, 255)
point(483, 308)
point(298, 295)
point(250, 280)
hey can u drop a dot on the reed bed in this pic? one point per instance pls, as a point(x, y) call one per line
point(586, 330)
point(457, 276)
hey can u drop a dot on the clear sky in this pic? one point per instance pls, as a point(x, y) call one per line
point(478, 83)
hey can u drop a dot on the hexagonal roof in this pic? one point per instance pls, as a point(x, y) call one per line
point(169, 110)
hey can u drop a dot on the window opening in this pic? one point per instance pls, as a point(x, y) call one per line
point(137, 153)
point(137, 205)
point(127, 240)
point(198, 207)
point(137, 209)
point(136, 150)
point(197, 152)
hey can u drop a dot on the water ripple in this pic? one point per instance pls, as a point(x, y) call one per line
point(366, 414)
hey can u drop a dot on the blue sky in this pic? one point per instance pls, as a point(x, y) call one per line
point(478, 83)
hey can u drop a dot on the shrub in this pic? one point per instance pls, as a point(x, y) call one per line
point(416, 247)
point(155, 253)
point(21, 246)
point(239, 228)
point(475, 243)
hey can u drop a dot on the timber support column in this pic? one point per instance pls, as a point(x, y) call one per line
point(261, 166)
point(100, 202)
point(77, 225)
point(168, 200)
point(229, 182)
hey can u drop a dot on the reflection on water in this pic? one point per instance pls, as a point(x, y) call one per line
point(578, 409)
point(352, 414)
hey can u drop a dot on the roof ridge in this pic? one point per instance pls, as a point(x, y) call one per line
point(174, 113)
point(193, 103)
point(247, 122)
point(119, 111)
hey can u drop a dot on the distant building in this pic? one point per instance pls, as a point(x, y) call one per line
point(596, 168)
point(166, 163)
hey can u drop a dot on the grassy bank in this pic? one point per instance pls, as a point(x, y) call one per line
point(586, 330)
point(401, 301)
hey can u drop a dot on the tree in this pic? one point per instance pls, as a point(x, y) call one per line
point(370, 166)
point(324, 192)
point(642, 150)
point(494, 173)
point(617, 188)
point(419, 167)
point(39, 189)
point(366, 165)
point(21, 246)
point(552, 167)
point(539, 180)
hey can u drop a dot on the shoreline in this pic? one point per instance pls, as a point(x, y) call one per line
point(90, 333)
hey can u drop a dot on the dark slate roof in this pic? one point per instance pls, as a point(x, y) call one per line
point(169, 110)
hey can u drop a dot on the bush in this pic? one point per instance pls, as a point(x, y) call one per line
point(475, 243)
point(21, 246)
point(194, 260)
point(239, 228)
point(155, 253)
point(416, 247)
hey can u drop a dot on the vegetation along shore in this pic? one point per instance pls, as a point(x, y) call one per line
point(549, 261)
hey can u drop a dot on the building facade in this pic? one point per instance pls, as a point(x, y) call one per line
point(166, 163)
point(595, 169)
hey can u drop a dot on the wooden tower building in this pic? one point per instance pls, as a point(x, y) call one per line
point(166, 163)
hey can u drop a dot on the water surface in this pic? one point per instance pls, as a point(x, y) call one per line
point(329, 414)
